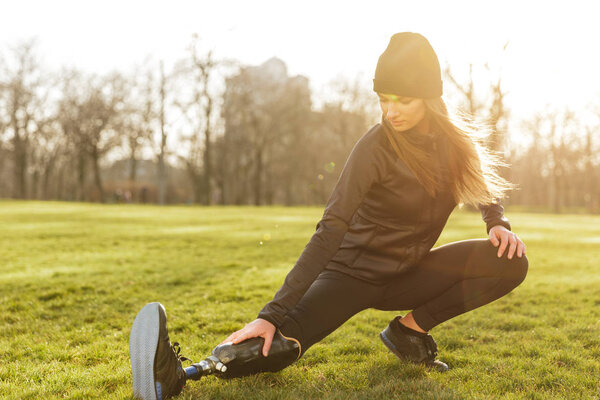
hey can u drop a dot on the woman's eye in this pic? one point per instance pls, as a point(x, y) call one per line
point(404, 101)
point(395, 101)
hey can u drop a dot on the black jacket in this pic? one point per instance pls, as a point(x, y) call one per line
point(378, 222)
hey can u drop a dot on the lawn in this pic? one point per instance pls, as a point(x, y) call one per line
point(73, 277)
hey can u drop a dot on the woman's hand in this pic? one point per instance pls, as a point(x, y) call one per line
point(499, 235)
point(257, 328)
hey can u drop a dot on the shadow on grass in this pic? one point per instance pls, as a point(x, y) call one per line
point(390, 380)
point(405, 381)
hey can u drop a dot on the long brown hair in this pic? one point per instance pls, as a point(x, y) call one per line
point(472, 166)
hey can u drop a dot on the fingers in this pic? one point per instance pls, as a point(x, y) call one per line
point(512, 239)
point(514, 244)
point(267, 345)
point(257, 328)
point(494, 239)
point(243, 336)
point(520, 248)
point(230, 338)
point(503, 243)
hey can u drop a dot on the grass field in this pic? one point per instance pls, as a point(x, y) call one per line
point(73, 277)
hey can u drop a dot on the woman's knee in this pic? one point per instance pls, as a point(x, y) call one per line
point(292, 330)
point(519, 269)
point(514, 270)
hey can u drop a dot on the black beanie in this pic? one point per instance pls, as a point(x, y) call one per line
point(408, 67)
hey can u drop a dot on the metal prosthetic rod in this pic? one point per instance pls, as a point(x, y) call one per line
point(208, 366)
point(245, 358)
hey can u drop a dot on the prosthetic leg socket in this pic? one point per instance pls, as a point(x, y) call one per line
point(245, 358)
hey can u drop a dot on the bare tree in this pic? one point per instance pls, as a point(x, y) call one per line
point(555, 170)
point(204, 68)
point(87, 113)
point(100, 137)
point(349, 110)
point(162, 172)
point(497, 114)
point(471, 102)
point(198, 105)
point(280, 150)
point(591, 193)
point(255, 102)
point(138, 118)
point(592, 161)
point(46, 147)
point(235, 144)
point(493, 112)
point(23, 103)
point(70, 119)
point(4, 122)
point(266, 144)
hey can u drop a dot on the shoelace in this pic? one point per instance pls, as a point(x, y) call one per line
point(177, 349)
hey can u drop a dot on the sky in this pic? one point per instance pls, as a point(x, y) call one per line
point(551, 58)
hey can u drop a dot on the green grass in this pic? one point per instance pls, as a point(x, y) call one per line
point(73, 277)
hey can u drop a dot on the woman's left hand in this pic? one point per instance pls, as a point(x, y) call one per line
point(499, 235)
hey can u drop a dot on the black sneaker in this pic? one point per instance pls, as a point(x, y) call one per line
point(406, 344)
point(155, 362)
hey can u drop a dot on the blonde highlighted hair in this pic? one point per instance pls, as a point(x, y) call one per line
point(472, 166)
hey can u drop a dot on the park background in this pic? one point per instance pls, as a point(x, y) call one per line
point(260, 103)
point(235, 106)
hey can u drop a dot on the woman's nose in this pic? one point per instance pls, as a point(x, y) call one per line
point(393, 109)
point(392, 112)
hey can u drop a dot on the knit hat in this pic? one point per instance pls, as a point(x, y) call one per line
point(408, 67)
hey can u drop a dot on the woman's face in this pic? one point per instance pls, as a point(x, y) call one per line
point(403, 112)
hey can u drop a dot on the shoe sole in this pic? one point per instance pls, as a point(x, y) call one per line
point(143, 341)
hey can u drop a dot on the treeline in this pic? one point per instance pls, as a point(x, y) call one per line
point(213, 131)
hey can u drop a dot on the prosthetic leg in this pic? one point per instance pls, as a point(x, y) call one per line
point(234, 360)
point(157, 372)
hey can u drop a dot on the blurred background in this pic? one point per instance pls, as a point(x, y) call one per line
point(261, 102)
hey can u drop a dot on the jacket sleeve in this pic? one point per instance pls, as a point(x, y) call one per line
point(493, 214)
point(359, 173)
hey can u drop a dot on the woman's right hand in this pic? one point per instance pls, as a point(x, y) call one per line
point(257, 328)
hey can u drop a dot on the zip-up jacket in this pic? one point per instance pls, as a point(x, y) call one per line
point(378, 222)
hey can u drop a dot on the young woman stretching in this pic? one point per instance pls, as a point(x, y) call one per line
point(373, 246)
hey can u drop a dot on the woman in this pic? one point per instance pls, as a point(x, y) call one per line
point(373, 246)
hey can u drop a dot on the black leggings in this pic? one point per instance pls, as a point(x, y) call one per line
point(450, 280)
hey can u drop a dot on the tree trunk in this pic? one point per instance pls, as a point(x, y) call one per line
point(132, 164)
point(207, 154)
point(163, 141)
point(48, 170)
point(60, 183)
point(589, 187)
point(199, 193)
point(80, 196)
point(206, 176)
point(20, 162)
point(97, 177)
point(555, 181)
point(35, 178)
point(258, 167)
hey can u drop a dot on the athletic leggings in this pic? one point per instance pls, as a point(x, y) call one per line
point(450, 280)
